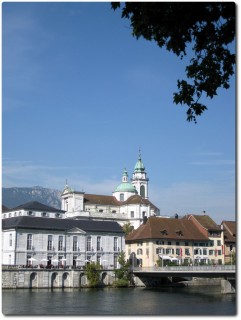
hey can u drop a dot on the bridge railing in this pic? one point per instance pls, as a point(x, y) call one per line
point(212, 268)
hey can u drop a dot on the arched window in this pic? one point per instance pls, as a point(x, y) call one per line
point(139, 251)
point(142, 191)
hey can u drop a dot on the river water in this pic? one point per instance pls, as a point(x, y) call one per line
point(202, 300)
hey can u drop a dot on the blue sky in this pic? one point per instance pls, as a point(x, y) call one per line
point(81, 95)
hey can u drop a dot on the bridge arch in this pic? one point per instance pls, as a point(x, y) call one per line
point(33, 283)
point(54, 279)
point(65, 280)
point(83, 279)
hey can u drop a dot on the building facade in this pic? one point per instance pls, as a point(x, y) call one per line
point(47, 241)
point(162, 240)
point(229, 229)
point(129, 201)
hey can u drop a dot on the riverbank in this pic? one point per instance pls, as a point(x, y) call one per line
point(58, 278)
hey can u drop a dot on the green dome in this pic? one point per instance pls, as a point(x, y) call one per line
point(125, 187)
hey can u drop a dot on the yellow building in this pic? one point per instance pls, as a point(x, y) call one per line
point(180, 241)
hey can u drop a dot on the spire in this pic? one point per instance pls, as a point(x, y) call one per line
point(139, 167)
point(125, 176)
point(139, 154)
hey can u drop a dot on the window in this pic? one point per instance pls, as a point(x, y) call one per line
point(10, 240)
point(100, 210)
point(187, 252)
point(29, 241)
point(115, 244)
point(147, 251)
point(218, 242)
point(205, 252)
point(50, 242)
point(160, 242)
point(163, 232)
point(219, 252)
point(98, 243)
point(177, 243)
point(169, 243)
point(88, 245)
point(139, 251)
point(122, 197)
point(75, 243)
point(113, 211)
point(61, 240)
point(160, 250)
point(115, 261)
point(44, 214)
point(211, 252)
point(132, 214)
point(142, 191)
point(31, 213)
point(178, 251)
point(186, 243)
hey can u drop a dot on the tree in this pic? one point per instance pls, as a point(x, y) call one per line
point(122, 274)
point(207, 28)
point(93, 271)
point(127, 228)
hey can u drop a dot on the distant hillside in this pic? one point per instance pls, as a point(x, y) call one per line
point(13, 197)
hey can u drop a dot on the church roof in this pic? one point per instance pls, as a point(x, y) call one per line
point(125, 187)
point(136, 199)
point(139, 167)
point(100, 199)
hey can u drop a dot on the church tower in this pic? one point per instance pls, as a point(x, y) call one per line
point(139, 178)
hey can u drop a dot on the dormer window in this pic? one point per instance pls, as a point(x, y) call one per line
point(163, 232)
point(179, 233)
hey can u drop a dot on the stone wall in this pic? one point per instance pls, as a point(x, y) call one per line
point(35, 278)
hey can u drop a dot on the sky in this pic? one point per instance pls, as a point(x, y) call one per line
point(81, 96)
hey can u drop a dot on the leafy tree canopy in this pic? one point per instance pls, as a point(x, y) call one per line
point(127, 228)
point(208, 27)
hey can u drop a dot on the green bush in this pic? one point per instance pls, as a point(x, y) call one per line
point(93, 271)
point(121, 283)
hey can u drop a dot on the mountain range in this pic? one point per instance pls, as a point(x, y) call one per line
point(13, 197)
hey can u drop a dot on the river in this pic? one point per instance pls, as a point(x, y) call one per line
point(202, 300)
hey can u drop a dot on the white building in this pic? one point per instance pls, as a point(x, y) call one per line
point(129, 201)
point(29, 240)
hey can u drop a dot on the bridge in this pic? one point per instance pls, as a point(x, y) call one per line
point(154, 276)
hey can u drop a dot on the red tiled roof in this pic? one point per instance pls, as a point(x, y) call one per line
point(100, 199)
point(229, 231)
point(167, 228)
point(111, 200)
point(204, 221)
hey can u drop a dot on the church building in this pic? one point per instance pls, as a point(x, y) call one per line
point(129, 201)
